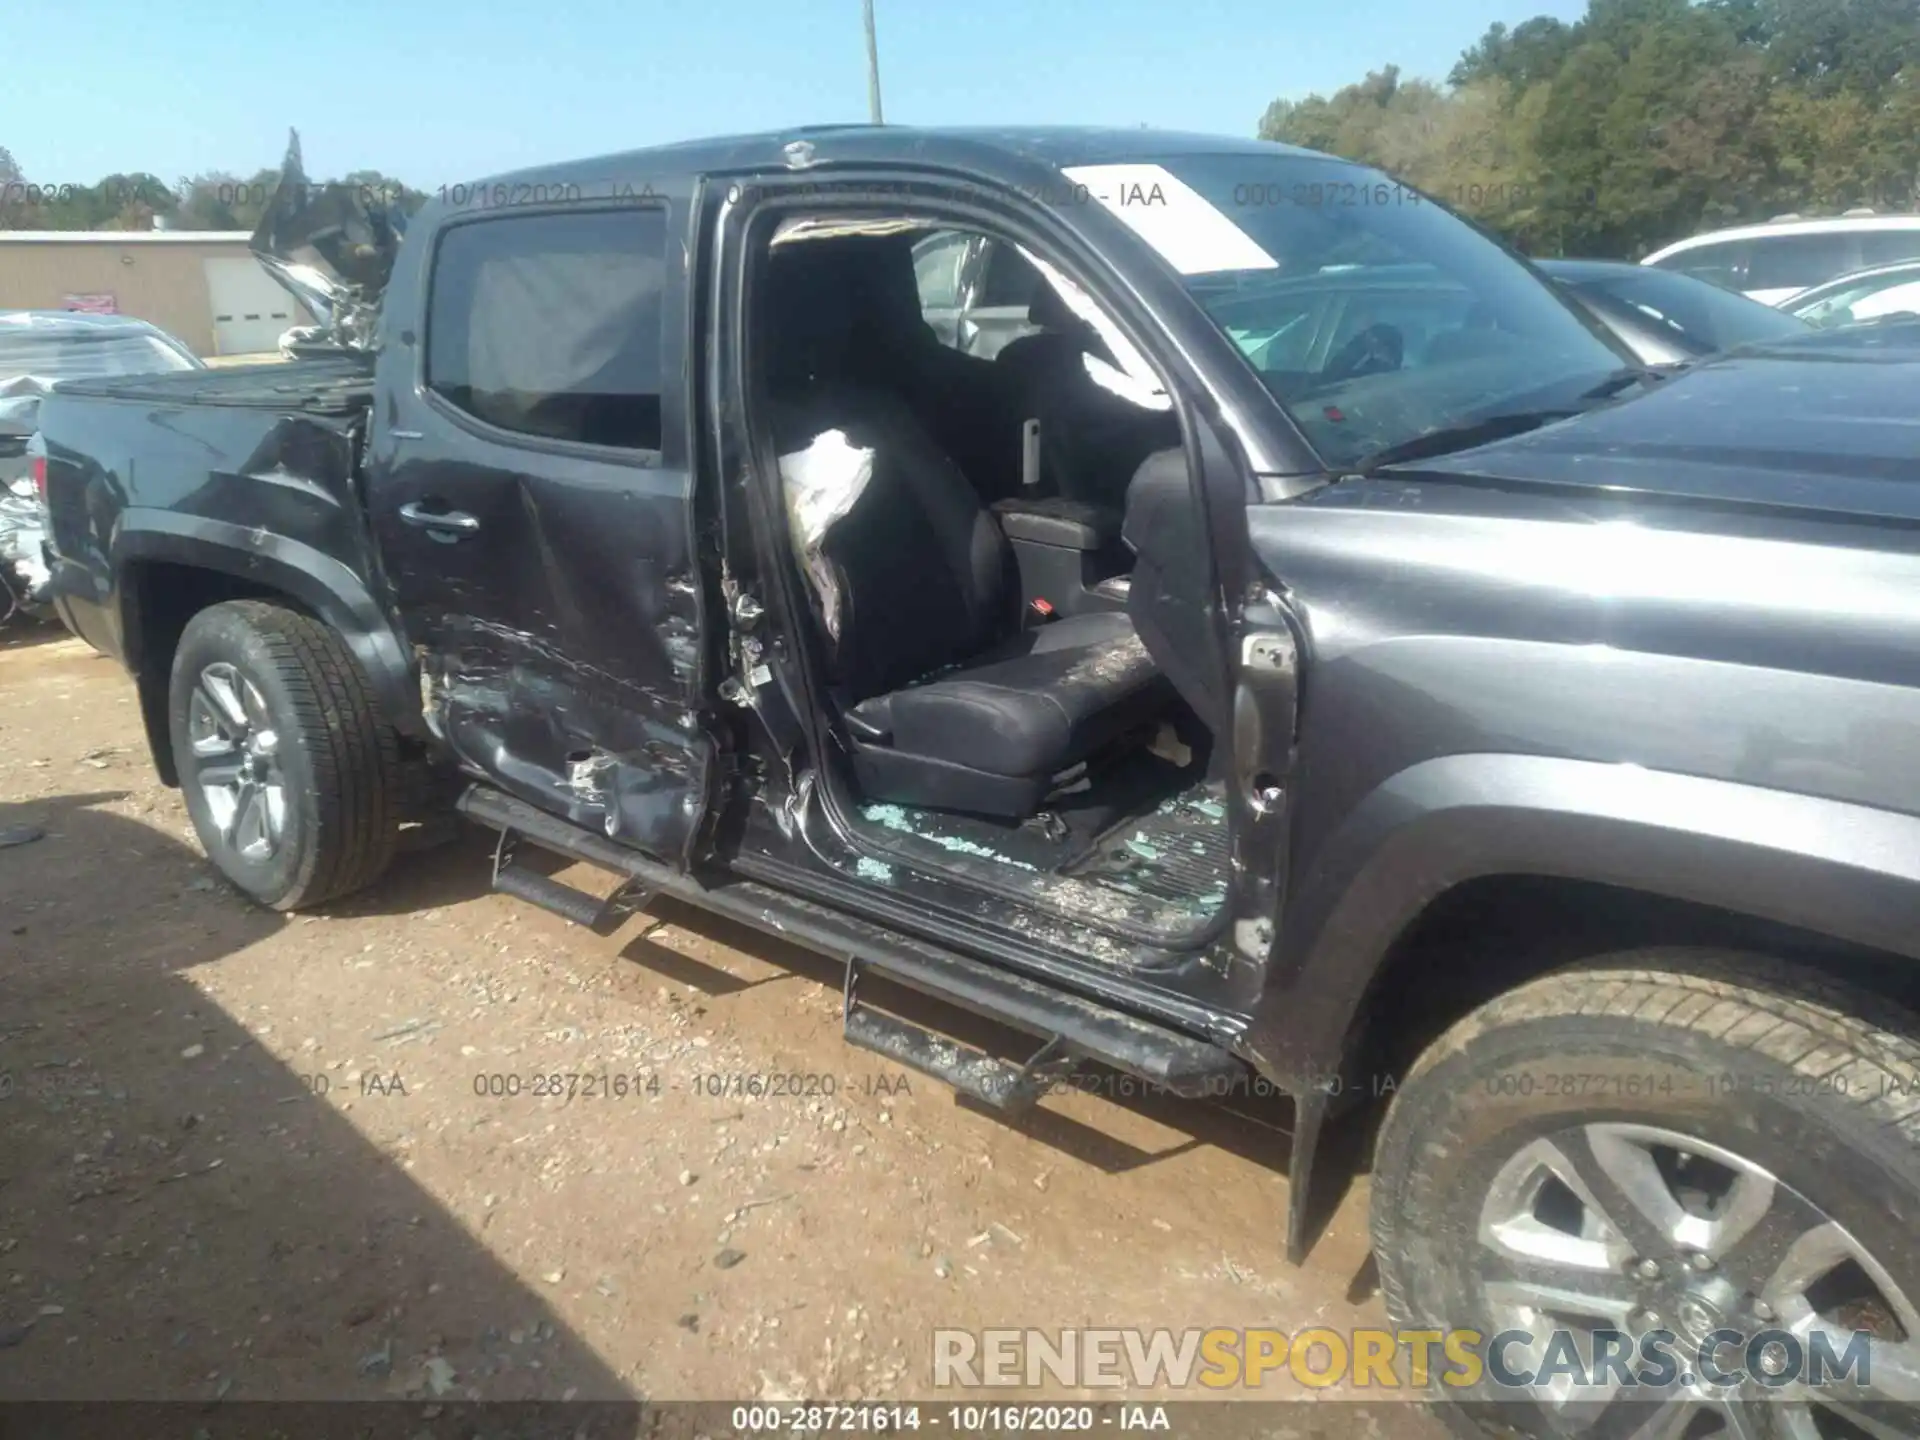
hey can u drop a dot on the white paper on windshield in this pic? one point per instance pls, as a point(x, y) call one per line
point(1188, 230)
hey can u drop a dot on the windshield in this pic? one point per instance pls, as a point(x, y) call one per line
point(1704, 315)
point(77, 356)
point(1868, 298)
point(1373, 314)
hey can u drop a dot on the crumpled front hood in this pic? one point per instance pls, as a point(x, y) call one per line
point(1829, 423)
point(333, 246)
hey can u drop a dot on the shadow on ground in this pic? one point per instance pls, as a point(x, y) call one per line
point(183, 1216)
point(21, 633)
point(1254, 1123)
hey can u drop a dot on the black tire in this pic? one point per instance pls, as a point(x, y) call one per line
point(336, 760)
point(1815, 1082)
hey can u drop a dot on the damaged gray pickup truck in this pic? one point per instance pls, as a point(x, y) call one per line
point(1308, 654)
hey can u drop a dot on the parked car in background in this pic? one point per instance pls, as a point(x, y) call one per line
point(1870, 295)
point(38, 348)
point(1777, 260)
point(1668, 318)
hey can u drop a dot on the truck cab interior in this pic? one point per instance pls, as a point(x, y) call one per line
point(988, 550)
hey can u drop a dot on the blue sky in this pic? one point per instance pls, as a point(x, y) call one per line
point(439, 91)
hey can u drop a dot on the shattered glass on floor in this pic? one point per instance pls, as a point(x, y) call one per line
point(1169, 864)
point(1177, 854)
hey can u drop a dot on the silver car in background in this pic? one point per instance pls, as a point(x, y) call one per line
point(38, 349)
point(1886, 292)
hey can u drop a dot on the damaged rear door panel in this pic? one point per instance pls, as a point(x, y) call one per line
point(535, 508)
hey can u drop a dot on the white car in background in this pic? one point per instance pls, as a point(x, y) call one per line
point(1884, 293)
point(1777, 260)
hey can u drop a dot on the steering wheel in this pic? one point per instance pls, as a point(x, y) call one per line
point(1374, 351)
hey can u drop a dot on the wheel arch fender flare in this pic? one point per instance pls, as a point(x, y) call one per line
point(319, 583)
point(1830, 867)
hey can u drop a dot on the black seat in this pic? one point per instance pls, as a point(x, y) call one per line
point(961, 400)
point(1091, 440)
point(992, 735)
point(947, 702)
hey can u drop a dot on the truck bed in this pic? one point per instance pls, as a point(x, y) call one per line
point(249, 470)
point(323, 386)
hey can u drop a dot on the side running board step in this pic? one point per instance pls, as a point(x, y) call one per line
point(602, 915)
point(995, 1083)
point(1070, 1027)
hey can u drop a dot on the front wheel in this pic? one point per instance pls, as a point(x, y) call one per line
point(1674, 1194)
point(288, 771)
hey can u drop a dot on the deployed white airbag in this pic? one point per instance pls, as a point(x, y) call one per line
point(823, 483)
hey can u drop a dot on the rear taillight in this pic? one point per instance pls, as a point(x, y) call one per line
point(40, 477)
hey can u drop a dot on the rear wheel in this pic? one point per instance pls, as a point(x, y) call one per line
point(1673, 1143)
point(289, 773)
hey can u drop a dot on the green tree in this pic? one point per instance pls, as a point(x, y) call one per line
point(1647, 119)
point(1532, 51)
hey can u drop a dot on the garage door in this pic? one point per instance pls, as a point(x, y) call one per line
point(250, 309)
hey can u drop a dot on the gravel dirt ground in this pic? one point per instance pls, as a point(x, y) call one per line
point(251, 1156)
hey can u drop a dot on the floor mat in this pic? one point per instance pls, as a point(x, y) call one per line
point(1178, 854)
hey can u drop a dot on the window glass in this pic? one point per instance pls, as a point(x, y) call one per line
point(550, 324)
point(73, 356)
point(1793, 262)
point(1445, 328)
point(1889, 247)
point(1851, 303)
point(1418, 316)
point(936, 269)
point(1705, 317)
point(1723, 264)
point(1895, 300)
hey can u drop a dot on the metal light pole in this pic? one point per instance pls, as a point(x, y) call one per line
point(873, 66)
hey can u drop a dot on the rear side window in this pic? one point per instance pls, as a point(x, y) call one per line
point(1793, 262)
point(936, 269)
point(1721, 264)
point(1889, 247)
point(550, 325)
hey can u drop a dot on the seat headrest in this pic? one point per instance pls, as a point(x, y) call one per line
point(1050, 311)
point(806, 316)
point(888, 294)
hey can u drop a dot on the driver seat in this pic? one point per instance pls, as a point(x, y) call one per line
point(946, 701)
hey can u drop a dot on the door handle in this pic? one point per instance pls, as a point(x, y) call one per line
point(447, 524)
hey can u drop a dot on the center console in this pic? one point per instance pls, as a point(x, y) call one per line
point(1071, 557)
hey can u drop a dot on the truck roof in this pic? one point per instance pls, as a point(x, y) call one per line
point(334, 249)
point(981, 149)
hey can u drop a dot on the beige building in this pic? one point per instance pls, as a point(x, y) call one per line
point(202, 286)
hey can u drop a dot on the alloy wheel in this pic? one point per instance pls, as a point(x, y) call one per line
point(236, 757)
point(1637, 1229)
